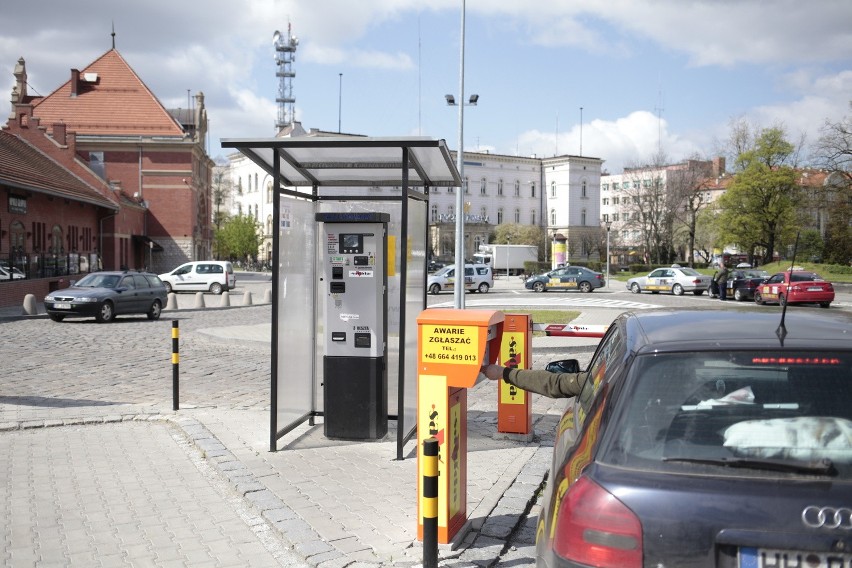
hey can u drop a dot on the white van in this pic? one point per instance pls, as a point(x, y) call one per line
point(477, 278)
point(215, 276)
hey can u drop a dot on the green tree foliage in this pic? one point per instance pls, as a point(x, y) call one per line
point(239, 237)
point(758, 209)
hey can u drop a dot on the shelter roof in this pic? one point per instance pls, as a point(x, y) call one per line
point(348, 161)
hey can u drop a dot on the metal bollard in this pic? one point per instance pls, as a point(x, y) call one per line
point(175, 365)
point(429, 503)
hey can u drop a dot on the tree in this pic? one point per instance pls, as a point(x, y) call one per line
point(222, 189)
point(239, 237)
point(758, 209)
point(516, 234)
point(687, 184)
point(833, 152)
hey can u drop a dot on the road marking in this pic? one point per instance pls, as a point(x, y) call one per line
point(552, 302)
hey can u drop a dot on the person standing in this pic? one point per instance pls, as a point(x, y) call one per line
point(722, 281)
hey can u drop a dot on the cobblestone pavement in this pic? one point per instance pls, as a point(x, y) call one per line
point(101, 471)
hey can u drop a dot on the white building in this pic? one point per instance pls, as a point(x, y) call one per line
point(560, 194)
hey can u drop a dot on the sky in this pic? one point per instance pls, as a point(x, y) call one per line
point(620, 80)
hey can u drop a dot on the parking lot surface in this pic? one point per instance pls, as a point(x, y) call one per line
point(101, 471)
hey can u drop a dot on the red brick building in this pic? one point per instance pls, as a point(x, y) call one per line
point(100, 170)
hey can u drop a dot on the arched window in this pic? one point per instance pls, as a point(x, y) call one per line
point(56, 240)
point(553, 217)
point(583, 217)
point(532, 189)
point(517, 188)
point(500, 216)
point(553, 189)
point(482, 186)
point(269, 224)
point(517, 215)
point(500, 187)
point(17, 238)
point(269, 192)
point(584, 188)
point(255, 182)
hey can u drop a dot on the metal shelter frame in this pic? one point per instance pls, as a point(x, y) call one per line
point(356, 169)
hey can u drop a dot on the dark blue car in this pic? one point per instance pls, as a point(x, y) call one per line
point(707, 438)
point(104, 295)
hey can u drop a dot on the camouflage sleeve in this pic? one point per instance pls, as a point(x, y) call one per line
point(553, 385)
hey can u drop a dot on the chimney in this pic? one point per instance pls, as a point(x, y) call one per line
point(75, 82)
point(59, 133)
point(718, 166)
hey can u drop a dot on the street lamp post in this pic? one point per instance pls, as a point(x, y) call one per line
point(608, 225)
point(458, 294)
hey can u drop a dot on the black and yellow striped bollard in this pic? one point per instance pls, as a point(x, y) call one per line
point(429, 503)
point(175, 366)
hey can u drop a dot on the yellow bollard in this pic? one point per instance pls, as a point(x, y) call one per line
point(429, 503)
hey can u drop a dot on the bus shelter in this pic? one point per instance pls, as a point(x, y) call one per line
point(317, 178)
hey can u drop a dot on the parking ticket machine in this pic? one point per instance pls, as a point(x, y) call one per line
point(353, 275)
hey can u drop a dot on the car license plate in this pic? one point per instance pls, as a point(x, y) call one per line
point(770, 558)
point(61, 306)
point(814, 289)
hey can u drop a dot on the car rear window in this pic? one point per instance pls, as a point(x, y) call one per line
point(804, 277)
point(703, 409)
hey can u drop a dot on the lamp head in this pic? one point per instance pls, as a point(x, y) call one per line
point(451, 100)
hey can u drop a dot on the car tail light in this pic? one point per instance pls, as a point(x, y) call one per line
point(594, 528)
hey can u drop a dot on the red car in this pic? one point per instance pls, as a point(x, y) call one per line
point(795, 287)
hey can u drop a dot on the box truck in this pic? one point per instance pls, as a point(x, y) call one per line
point(503, 258)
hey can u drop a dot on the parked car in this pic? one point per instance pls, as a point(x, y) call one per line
point(11, 273)
point(675, 279)
point(434, 266)
point(566, 278)
point(743, 283)
point(104, 295)
point(214, 276)
point(477, 278)
point(703, 439)
point(795, 287)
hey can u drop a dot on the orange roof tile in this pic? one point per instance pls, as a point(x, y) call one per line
point(24, 166)
point(116, 103)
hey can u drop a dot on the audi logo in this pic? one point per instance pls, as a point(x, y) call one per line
point(827, 518)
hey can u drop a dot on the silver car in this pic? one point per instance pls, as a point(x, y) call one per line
point(674, 279)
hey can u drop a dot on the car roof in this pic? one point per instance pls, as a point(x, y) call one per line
point(702, 329)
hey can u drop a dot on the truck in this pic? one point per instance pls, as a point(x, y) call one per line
point(506, 258)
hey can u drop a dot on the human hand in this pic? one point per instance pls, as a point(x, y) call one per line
point(492, 372)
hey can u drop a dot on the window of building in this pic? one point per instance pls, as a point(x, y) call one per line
point(532, 217)
point(605, 187)
point(466, 185)
point(256, 186)
point(434, 213)
point(450, 211)
point(615, 216)
point(517, 188)
point(500, 187)
point(482, 186)
point(553, 189)
point(583, 217)
point(269, 192)
point(625, 184)
point(450, 190)
point(583, 189)
point(16, 237)
point(483, 212)
point(517, 215)
point(605, 201)
point(553, 216)
point(500, 216)
point(615, 200)
point(56, 240)
point(532, 189)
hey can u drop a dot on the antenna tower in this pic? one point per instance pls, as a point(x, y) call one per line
point(285, 55)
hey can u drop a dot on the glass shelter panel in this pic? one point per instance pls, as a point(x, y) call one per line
point(296, 268)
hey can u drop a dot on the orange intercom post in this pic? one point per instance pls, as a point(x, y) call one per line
point(452, 345)
point(514, 408)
